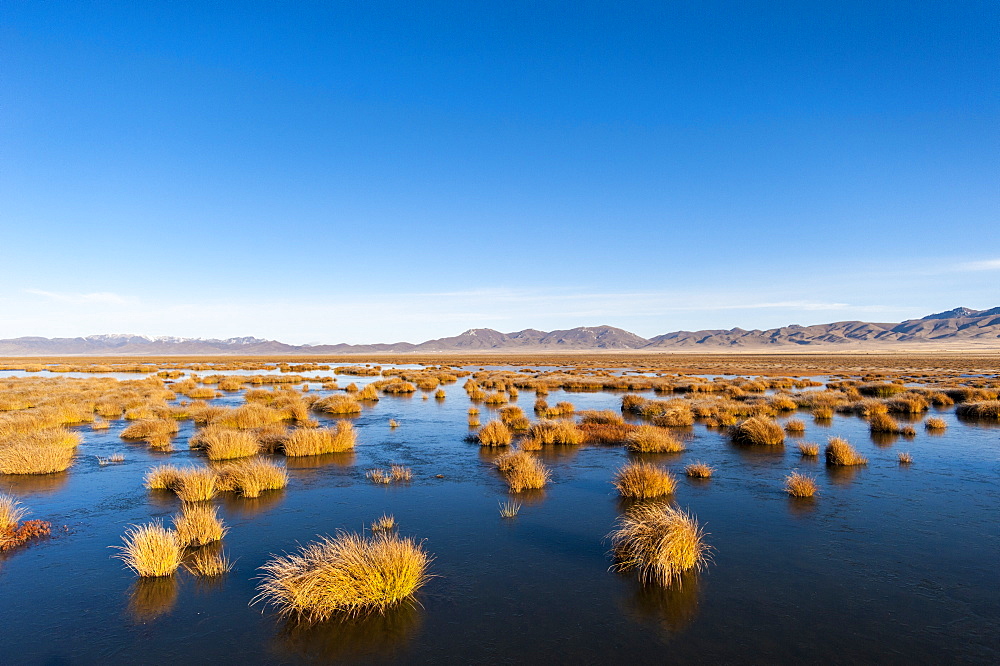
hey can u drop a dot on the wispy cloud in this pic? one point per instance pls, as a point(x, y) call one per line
point(105, 297)
point(985, 265)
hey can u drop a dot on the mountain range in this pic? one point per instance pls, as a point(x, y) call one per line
point(955, 329)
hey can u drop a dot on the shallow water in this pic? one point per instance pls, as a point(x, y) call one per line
point(889, 563)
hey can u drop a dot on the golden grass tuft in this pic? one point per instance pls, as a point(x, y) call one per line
point(317, 441)
point(522, 471)
point(556, 432)
point(207, 563)
point(379, 476)
point(935, 423)
point(11, 513)
point(150, 550)
point(987, 410)
point(652, 439)
point(800, 485)
point(642, 480)
point(198, 524)
point(251, 477)
point(796, 426)
point(384, 524)
point(822, 413)
point(495, 433)
point(347, 574)
point(338, 405)
point(400, 474)
point(757, 431)
point(883, 423)
point(905, 458)
point(222, 443)
point(660, 542)
point(699, 470)
point(840, 452)
point(808, 449)
point(40, 452)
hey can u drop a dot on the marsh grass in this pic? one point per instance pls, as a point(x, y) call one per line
point(935, 423)
point(495, 433)
point(808, 449)
point(904, 458)
point(347, 574)
point(795, 426)
point(317, 441)
point(643, 480)
point(207, 563)
point(198, 524)
point(40, 452)
point(220, 443)
point(652, 439)
point(150, 550)
point(699, 470)
point(800, 485)
point(251, 477)
point(384, 524)
point(840, 453)
point(522, 471)
point(509, 509)
point(660, 542)
point(757, 431)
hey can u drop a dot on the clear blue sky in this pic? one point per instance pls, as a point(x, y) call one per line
point(373, 171)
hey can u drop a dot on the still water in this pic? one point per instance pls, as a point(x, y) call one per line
point(888, 564)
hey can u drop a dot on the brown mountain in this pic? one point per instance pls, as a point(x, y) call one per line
point(954, 328)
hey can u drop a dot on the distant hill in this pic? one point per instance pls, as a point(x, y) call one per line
point(954, 328)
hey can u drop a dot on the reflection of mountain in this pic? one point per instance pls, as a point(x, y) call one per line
point(954, 327)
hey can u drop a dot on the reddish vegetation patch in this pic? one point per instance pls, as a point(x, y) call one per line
point(27, 531)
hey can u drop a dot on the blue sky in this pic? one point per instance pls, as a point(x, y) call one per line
point(375, 171)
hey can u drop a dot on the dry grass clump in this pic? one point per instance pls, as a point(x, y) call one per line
point(155, 432)
point(151, 550)
point(556, 432)
point(100, 425)
point(40, 452)
point(800, 485)
point(883, 423)
point(317, 441)
point(560, 409)
point(642, 480)
point(822, 413)
point(339, 405)
point(221, 443)
point(207, 563)
point(348, 574)
point(602, 433)
point(987, 410)
point(249, 416)
point(495, 433)
point(808, 449)
point(522, 471)
point(198, 524)
point(935, 423)
point(840, 452)
point(661, 542)
point(195, 484)
point(606, 417)
point(905, 458)
point(251, 477)
point(11, 513)
point(699, 470)
point(796, 426)
point(757, 431)
point(652, 439)
point(384, 524)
